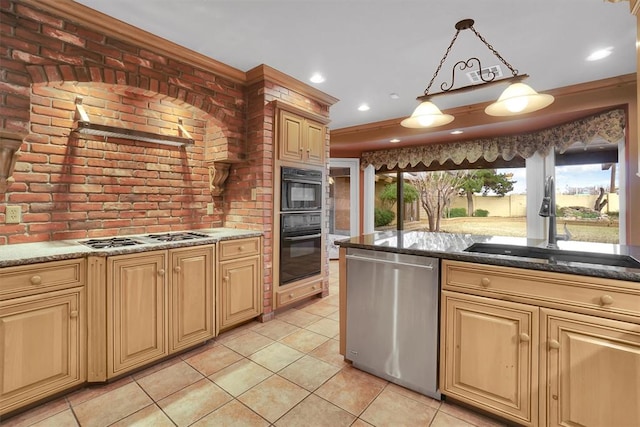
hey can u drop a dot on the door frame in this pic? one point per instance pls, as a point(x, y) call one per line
point(354, 190)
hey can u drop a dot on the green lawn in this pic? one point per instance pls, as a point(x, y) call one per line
point(596, 232)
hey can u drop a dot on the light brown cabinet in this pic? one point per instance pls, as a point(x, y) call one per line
point(137, 302)
point(191, 313)
point(489, 354)
point(590, 368)
point(301, 139)
point(581, 367)
point(239, 281)
point(157, 303)
point(42, 331)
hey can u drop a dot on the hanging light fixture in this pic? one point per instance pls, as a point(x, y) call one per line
point(518, 98)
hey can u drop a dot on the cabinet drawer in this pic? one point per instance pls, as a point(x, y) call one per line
point(287, 296)
point(231, 249)
point(42, 277)
point(605, 297)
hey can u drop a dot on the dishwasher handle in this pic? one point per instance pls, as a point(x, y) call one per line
point(384, 261)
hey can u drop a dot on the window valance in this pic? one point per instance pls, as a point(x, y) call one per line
point(608, 126)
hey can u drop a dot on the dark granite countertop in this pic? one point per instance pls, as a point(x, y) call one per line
point(452, 246)
point(30, 253)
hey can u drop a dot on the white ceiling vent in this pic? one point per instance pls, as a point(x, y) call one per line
point(474, 76)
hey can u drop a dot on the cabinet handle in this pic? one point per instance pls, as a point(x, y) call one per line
point(308, 150)
point(36, 280)
point(524, 337)
point(240, 248)
point(313, 288)
point(73, 314)
point(161, 272)
point(485, 281)
point(606, 299)
point(290, 296)
point(177, 269)
point(554, 344)
point(226, 279)
point(301, 149)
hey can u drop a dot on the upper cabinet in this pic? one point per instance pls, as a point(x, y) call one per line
point(301, 136)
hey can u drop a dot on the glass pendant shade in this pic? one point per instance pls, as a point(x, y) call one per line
point(426, 115)
point(518, 98)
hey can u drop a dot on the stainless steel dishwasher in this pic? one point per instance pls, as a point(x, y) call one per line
point(392, 317)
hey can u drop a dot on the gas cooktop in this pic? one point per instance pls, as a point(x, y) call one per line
point(112, 242)
point(118, 242)
point(176, 236)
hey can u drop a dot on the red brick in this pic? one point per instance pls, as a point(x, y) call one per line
point(38, 16)
point(28, 57)
point(153, 56)
point(61, 57)
point(38, 40)
point(90, 35)
point(68, 216)
point(65, 36)
point(17, 78)
point(15, 43)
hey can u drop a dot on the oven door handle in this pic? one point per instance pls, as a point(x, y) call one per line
point(301, 181)
point(306, 237)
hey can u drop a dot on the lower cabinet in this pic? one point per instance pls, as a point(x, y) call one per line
point(489, 355)
point(591, 370)
point(239, 281)
point(42, 338)
point(542, 364)
point(158, 303)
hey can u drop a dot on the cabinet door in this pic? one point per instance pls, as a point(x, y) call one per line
point(315, 142)
point(191, 308)
point(592, 370)
point(136, 310)
point(43, 351)
point(240, 291)
point(489, 355)
point(290, 136)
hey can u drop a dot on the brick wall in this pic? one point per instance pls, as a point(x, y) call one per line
point(73, 186)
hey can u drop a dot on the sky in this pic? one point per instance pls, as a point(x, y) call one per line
point(566, 177)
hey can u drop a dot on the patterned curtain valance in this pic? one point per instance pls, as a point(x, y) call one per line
point(608, 126)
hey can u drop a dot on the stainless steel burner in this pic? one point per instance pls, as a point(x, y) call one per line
point(113, 242)
point(176, 237)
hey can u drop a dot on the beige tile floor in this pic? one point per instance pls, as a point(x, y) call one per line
point(286, 372)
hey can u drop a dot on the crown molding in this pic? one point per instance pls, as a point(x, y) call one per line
point(264, 72)
point(112, 27)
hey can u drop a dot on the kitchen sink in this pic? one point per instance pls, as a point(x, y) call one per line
point(555, 255)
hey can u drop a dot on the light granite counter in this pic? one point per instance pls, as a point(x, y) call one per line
point(452, 246)
point(30, 253)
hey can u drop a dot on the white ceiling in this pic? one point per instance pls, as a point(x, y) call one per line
point(368, 49)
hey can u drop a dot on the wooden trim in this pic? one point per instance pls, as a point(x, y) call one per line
point(342, 292)
point(117, 29)
point(96, 319)
point(264, 72)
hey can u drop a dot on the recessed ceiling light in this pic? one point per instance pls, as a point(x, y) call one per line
point(456, 132)
point(317, 78)
point(394, 96)
point(394, 140)
point(600, 54)
point(363, 107)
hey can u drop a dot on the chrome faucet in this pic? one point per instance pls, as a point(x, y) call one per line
point(548, 209)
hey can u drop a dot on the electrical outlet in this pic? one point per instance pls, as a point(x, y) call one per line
point(254, 194)
point(13, 215)
point(209, 208)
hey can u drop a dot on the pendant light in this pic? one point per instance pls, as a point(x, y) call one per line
point(518, 98)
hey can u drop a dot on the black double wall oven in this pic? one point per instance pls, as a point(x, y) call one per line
point(300, 224)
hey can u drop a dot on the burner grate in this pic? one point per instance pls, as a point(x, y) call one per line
point(176, 237)
point(113, 242)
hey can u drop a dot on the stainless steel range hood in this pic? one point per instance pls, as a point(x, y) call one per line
point(87, 128)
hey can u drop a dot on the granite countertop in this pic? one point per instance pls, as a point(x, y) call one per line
point(30, 253)
point(452, 246)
